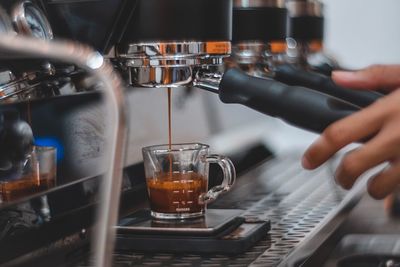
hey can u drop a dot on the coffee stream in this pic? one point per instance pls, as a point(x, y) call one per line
point(175, 192)
point(169, 120)
point(170, 132)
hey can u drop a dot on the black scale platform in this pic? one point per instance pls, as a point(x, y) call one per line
point(219, 231)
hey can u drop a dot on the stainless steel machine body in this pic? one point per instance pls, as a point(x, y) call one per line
point(259, 33)
point(306, 36)
point(150, 49)
point(174, 64)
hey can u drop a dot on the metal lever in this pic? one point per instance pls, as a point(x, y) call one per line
point(292, 75)
point(300, 106)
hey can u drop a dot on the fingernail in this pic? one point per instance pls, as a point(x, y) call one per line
point(343, 182)
point(343, 74)
point(347, 186)
point(306, 163)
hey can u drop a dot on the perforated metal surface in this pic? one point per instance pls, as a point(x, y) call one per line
point(296, 201)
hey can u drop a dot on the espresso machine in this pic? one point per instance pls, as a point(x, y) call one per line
point(285, 44)
point(166, 52)
point(305, 32)
point(309, 64)
point(150, 44)
point(161, 54)
point(259, 36)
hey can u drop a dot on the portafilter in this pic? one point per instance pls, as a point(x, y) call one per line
point(179, 43)
point(259, 45)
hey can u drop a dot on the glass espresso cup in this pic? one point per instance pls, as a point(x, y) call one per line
point(177, 179)
point(37, 173)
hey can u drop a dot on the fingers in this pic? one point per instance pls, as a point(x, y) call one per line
point(384, 77)
point(354, 164)
point(351, 129)
point(380, 123)
point(385, 182)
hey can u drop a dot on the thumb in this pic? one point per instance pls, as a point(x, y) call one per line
point(376, 77)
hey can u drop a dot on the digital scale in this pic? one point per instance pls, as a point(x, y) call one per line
point(219, 231)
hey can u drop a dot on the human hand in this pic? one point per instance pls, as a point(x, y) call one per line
point(380, 122)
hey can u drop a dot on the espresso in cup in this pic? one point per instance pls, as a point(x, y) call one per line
point(177, 179)
point(177, 192)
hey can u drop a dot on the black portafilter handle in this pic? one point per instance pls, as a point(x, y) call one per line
point(299, 106)
point(293, 75)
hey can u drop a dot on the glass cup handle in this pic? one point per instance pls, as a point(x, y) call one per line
point(229, 178)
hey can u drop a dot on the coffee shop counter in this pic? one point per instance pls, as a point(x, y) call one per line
point(305, 210)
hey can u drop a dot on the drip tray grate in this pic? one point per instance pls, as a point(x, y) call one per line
point(294, 200)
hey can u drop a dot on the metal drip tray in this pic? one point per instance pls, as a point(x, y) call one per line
point(297, 202)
